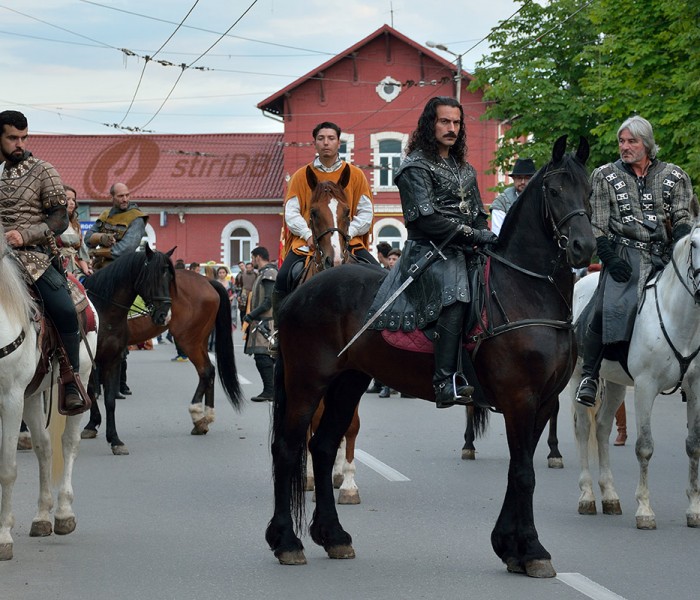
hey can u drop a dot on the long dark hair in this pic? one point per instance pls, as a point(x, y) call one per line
point(423, 138)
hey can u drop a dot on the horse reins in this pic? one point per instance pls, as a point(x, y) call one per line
point(318, 254)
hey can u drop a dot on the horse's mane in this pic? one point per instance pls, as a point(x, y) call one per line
point(533, 190)
point(14, 296)
point(127, 272)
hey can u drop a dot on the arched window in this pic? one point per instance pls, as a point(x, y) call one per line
point(238, 238)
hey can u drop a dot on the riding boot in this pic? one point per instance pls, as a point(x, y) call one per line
point(592, 357)
point(621, 421)
point(265, 367)
point(450, 386)
point(71, 344)
point(277, 297)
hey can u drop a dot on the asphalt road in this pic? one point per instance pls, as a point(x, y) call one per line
point(184, 517)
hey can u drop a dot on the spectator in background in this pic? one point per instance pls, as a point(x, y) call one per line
point(523, 171)
point(383, 249)
point(244, 281)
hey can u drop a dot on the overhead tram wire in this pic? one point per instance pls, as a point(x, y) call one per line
point(148, 59)
point(184, 67)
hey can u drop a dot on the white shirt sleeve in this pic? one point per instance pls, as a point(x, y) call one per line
point(497, 217)
point(362, 220)
point(296, 223)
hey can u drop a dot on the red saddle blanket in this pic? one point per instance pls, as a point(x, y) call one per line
point(417, 341)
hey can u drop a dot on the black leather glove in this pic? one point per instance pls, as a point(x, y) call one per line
point(480, 237)
point(620, 270)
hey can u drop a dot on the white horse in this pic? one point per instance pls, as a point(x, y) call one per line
point(17, 368)
point(662, 356)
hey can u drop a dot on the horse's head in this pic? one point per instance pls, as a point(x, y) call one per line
point(329, 219)
point(153, 284)
point(692, 242)
point(566, 189)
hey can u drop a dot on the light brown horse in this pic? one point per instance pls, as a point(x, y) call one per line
point(330, 221)
point(199, 306)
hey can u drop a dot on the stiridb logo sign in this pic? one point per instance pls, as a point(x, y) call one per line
point(131, 161)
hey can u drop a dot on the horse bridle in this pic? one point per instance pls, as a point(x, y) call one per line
point(318, 252)
point(561, 239)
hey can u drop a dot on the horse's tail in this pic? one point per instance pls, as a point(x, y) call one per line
point(481, 420)
point(280, 452)
point(223, 344)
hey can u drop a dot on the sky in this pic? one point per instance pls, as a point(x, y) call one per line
point(79, 67)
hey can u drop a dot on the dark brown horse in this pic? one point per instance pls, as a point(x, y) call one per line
point(199, 306)
point(523, 363)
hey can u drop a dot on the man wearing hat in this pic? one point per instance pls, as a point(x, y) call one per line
point(522, 173)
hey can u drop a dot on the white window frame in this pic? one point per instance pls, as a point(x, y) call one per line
point(226, 232)
point(374, 141)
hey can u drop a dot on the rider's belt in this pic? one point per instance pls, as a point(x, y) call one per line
point(658, 248)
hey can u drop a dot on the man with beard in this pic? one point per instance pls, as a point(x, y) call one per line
point(33, 211)
point(631, 198)
point(442, 208)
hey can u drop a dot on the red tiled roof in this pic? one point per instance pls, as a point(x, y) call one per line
point(218, 167)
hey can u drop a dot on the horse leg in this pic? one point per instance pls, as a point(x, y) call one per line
point(341, 401)
point(11, 417)
point(514, 537)
point(468, 450)
point(554, 458)
point(692, 447)
point(34, 418)
point(202, 413)
point(64, 517)
point(111, 388)
point(583, 420)
point(644, 396)
point(349, 492)
point(612, 396)
point(90, 430)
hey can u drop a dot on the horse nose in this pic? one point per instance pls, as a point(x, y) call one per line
point(328, 262)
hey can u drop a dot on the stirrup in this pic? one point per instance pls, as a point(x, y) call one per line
point(459, 392)
point(587, 392)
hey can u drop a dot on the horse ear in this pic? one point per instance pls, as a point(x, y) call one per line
point(149, 252)
point(170, 252)
point(583, 151)
point(559, 149)
point(311, 178)
point(344, 177)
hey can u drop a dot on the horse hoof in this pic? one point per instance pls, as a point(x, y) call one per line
point(612, 507)
point(120, 450)
point(646, 523)
point(693, 520)
point(587, 508)
point(349, 497)
point(201, 427)
point(295, 557)
point(337, 480)
point(555, 463)
point(24, 442)
point(513, 565)
point(40, 529)
point(342, 551)
point(64, 526)
point(88, 434)
point(541, 569)
point(5, 551)
point(468, 454)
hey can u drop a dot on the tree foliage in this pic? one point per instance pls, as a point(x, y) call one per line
point(581, 67)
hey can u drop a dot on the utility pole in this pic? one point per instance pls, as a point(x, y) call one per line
point(458, 76)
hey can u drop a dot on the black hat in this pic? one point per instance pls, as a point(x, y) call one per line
point(523, 166)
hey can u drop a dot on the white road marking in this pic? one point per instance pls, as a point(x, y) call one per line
point(377, 465)
point(588, 587)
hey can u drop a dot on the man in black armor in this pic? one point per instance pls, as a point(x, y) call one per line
point(33, 211)
point(440, 201)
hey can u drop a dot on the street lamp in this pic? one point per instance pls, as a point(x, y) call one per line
point(458, 77)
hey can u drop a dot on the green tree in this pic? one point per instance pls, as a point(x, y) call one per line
point(579, 67)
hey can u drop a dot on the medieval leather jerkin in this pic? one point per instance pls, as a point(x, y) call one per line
point(33, 201)
point(444, 195)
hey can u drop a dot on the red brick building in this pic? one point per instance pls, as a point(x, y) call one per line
point(217, 196)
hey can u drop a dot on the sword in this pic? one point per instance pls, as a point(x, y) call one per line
point(415, 271)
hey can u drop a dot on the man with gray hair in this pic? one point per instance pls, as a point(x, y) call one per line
point(631, 199)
